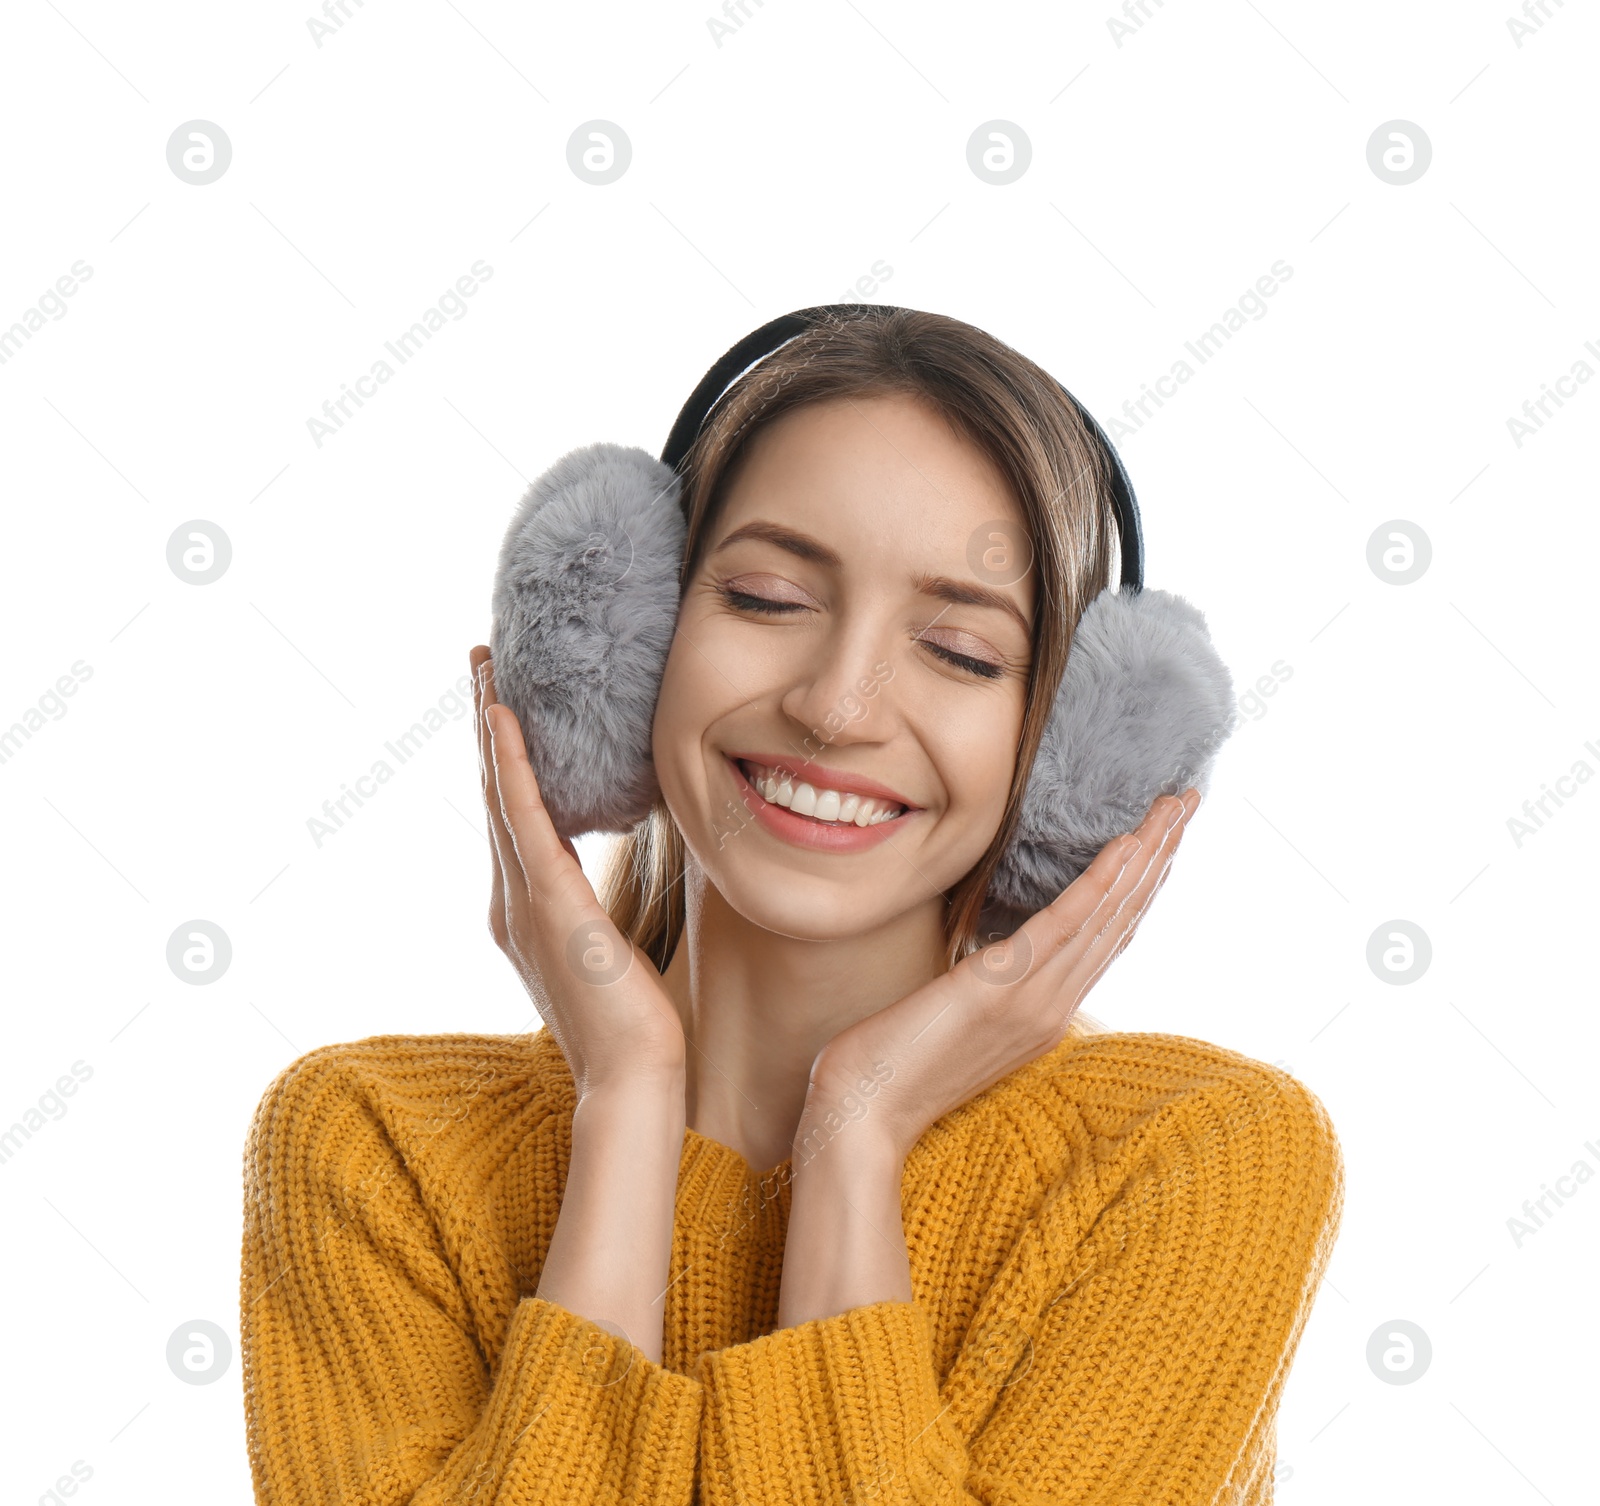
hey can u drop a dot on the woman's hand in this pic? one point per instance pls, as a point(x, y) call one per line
point(908, 1065)
point(599, 996)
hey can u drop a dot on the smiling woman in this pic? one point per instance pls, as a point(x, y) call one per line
point(945, 484)
point(900, 495)
point(814, 1188)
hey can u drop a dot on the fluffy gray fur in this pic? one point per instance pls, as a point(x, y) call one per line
point(585, 605)
point(1144, 706)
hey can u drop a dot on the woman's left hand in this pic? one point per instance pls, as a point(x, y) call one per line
point(999, 1008)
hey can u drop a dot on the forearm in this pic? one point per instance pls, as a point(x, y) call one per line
point(612, 1244)
point(846, 1244)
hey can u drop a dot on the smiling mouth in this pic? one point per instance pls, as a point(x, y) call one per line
point(824, 806)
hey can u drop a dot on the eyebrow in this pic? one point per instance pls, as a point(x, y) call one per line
point(941, 587)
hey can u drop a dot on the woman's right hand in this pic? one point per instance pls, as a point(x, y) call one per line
point(599, 996)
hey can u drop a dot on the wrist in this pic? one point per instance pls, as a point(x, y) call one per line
point(845, 1246)
point(638, 1105)
point(852, 1148)
point(847, 1102)
point(610, 1253)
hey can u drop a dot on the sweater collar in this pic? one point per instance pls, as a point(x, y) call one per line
point(719, 1191)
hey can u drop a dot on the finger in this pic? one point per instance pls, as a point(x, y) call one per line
point(1086, 965)
point(1162, 831)
point(479, 672)
point(538, 854)
point(509, 895)
point(968, 1010)
point(1175, 835)
point(1051, 944)
point(1062, 1000)
point(1087, 974)
point(478, 659)
point(498, 919)
point(1078, 936)
point(1091, 898)
point(499, 832)
point(1092, 940)
point(1110, 943)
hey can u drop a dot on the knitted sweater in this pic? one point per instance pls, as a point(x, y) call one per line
point(1113, 1252)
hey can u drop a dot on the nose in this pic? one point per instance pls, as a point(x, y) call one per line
point(843, 695)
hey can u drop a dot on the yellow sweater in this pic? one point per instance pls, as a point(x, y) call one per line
point(1113, 1253)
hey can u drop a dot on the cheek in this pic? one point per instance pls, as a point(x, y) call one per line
point(987, 761)
point(693, 696)
point(976, 755)
point(672, 738)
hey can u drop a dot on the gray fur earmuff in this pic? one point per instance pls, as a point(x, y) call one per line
point(1142, 709)
point(585, 605)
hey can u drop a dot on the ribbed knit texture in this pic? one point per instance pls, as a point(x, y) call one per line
point(1113, 1254)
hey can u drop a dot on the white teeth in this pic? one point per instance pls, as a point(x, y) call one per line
point(824, 804)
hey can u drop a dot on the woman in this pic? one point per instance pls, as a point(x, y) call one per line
point(994, 1253)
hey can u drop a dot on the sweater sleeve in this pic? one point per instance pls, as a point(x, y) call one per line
point(366, 1381)
point(1138, 1359)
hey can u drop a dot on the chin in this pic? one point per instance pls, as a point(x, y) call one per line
point(802, 906)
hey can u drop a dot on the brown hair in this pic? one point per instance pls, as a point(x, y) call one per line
point(1009, 408)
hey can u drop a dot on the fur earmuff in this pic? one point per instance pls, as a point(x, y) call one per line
point(1143, 707)
point(585, 605)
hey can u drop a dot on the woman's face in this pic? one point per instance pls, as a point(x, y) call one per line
point(858, 624)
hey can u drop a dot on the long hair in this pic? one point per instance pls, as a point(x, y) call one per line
point(1010, 409)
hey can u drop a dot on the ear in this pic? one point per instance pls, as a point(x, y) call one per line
point(585, 605)
point(1142, 710)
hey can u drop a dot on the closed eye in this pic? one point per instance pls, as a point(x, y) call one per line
point(748, 603)
point(745, 602)
point(980, 667)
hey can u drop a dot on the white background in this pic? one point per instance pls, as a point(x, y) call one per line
point(769, 173)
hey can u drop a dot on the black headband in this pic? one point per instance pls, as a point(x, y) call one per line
point(778, 332)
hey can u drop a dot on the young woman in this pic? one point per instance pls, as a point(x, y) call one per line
point(803, 1194)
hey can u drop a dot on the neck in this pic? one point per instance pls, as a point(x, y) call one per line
point(758, 1006)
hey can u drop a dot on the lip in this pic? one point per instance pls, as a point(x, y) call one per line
point(801, 831)
point(834, 779)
